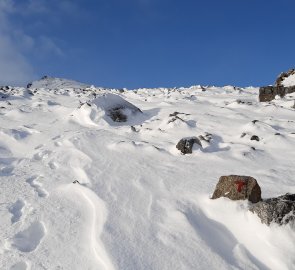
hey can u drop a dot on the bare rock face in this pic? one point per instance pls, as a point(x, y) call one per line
point(268, 93)
point(236, 187)
point(280, 210)
point(185, 145)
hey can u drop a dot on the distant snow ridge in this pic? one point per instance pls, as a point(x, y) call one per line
point(51, 83)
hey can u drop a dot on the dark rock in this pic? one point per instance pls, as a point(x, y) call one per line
point(117, 115)
point(29, 85)
point(236, 187)
point(176, 113)
point(255, 138)
point(185, 145)
point(207, 137)
point(133, 129)
point(243, 135)
point(280, 210)
point(254, 121)
point(268, 93)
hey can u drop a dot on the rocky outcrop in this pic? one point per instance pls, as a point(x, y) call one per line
point(185, 145)
point(268, 93)
point(283, 76)
point(280, 210)
point(236, 187)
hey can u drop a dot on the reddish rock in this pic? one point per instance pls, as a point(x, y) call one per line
point(236, 187)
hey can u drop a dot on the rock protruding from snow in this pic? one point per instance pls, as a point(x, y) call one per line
point(185, 145)
point(115, 107)
point(286, 79)
point(280, 210)
point(285, 84)
point(236, 187)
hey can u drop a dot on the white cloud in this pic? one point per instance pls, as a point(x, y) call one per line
point(15, 69)
point(15, 44)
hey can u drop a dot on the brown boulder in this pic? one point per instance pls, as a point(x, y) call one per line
point(236, 187)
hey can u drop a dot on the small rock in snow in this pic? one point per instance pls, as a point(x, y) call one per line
point(185, 145)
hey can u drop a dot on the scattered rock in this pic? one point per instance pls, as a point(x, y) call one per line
point(255, 138)
point(236, 187)
point(176, 113)
point(239, 101)
point(174, 118)
point(280, 210)
point(207, 137)
point(243, 135)
point(185, 145)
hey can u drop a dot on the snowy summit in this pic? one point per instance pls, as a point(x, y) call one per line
point(95, 178)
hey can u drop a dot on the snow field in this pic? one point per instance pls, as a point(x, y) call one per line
point(137, 203)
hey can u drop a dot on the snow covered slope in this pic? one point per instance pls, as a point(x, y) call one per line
point(56, 83)
point(80, 191)
point(290, 81)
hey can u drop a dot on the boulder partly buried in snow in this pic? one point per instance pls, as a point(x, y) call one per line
point(116, 108)
point(280, 210)
point(236, 187)
point(185, 145)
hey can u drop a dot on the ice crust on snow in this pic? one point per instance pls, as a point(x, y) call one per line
point(80, 191)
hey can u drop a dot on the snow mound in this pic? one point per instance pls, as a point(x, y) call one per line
point(289, 81)
point(117, 109)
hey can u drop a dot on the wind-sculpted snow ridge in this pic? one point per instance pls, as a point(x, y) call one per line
point(91, 177)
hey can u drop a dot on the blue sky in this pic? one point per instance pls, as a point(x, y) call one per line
point(147, 43)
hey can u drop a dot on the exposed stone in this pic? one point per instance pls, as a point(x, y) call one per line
point(268, 93)
point(207, 137)
point(280, 210)
point(255, 138)
point(185, 145)
point(133, 129)
point(236, 187)
point(117, 115)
